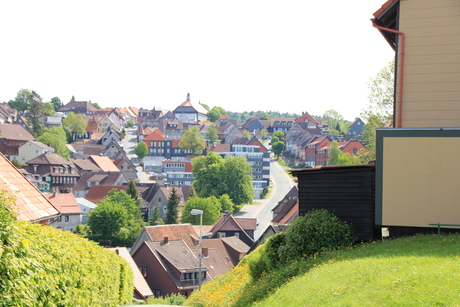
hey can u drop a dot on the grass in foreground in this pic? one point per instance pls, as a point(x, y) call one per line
point(416, 271)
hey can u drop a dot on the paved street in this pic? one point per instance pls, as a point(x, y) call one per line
point(282, 184)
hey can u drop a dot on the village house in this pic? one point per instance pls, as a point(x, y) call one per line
point(30, 150)
point(59, 172)
point(12, 137)
point(71, 214)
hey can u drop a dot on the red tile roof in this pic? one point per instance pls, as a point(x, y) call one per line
point(97, 192)
point(64, 202)
point(31, 205)
point(173, 232)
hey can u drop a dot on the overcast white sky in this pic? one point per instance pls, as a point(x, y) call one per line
point(287, 56)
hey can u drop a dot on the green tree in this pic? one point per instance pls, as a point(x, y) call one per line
point(75, 123)
point(334, 119)
point(48, 109)
point(263, 133)
point(264, 117)
point(211, 134)
point(108, 218)
point(211, 210)
point(191, 140)
point(155, 218)
point(172, 206)
point(379, 111)
point(34, 113)
point(141, 150)
point(21, 101)
point(123, 198)
point(133, 192)
point(215, 113)
point(278, 148)
point(226, 203)
point(334, 154)
point(56, 102)
point(247, 134)
point(279, 135)
point(96, 105)
point(215, 176)
point(56, 137)
point(338, 157)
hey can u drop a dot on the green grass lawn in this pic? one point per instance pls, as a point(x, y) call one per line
point(416, 271)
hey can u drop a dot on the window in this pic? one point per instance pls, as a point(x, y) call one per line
point(159, 200)
point(66, 218)
point(165, 209)
point(143, 269)
point(237, 234)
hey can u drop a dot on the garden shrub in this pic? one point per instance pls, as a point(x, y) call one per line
point(258, 262)
point(266, 257)
point(272, 247)
point(44, 266)
point(316, 232)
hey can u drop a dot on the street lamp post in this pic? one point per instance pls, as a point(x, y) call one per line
point(199, 212)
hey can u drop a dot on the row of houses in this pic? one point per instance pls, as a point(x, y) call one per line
point(164, 258)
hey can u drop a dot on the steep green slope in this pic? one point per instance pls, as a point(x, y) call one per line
point(416, 271)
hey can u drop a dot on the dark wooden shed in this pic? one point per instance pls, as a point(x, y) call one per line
point(347, 191)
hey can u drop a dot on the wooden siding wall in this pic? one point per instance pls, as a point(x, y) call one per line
point(431, 95)
point(348, 192)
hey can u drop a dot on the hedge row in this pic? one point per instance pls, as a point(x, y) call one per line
point(44, 266)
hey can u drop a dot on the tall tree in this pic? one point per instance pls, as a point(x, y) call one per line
point(226, 203)
point(211, 134)
point(216, 113)
point(338, 157)
point(263, 133)
point(278, 147)
point(21, 101)
point(211, 210)
point(141, 150)
point(215, 176)
point(48, 109)
point(334, 119)
point(191, 140)
point(56, 137)
point(35, 113)
point(108, 218)
point(96, 105)
point(75, 123)
point(56, 102)
point(279, 135)
point(172, 206)
point(133, 192)
point(379, 112)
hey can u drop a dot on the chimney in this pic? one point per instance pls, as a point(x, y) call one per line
point(54, 193)
point(165, 240)
point(204, 252)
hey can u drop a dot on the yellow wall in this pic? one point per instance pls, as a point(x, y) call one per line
point(420, 181)
point(431, 90)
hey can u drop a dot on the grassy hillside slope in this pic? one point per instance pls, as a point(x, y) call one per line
point(415, 271)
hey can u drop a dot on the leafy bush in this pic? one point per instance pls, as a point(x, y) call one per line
point(266, 257)
point(316, 232)
point(44, 266)
point(272, 249)
point(173, 299)
point(258, 263)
